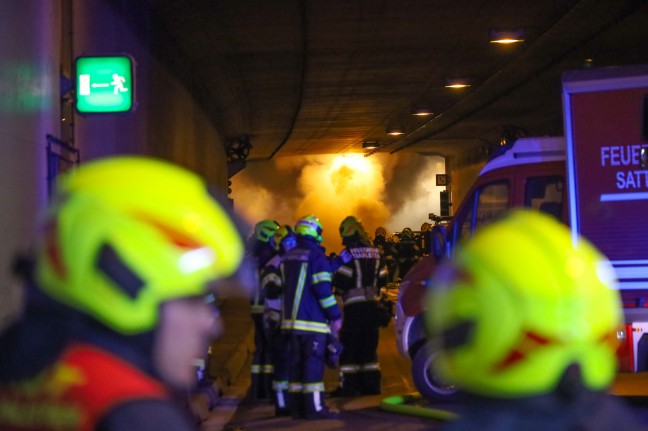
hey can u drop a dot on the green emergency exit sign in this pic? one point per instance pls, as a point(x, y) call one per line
point(104, 84)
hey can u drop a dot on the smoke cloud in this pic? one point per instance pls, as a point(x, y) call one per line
point(393, 191)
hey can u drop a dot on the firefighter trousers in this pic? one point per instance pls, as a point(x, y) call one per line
point(359, 368)
point(280, 354)
point(261, 369)
point(307, 373)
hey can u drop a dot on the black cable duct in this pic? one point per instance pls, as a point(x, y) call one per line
point(304, 27)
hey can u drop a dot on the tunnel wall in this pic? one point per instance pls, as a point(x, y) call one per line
point(166, 122)
point(29, 110)
point(40, 40)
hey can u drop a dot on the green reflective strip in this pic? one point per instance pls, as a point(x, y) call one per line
point(267, 369)
point(304, 325)
point(370, 367)
point(345, 270)
point(257, 291)
point(280, 386)
point(283, 277)
point(376, 271)
point(255, 369)
point(349, 369)
point(321, 277)
point(300, 289)
point(358, 269)
point(295, 387)
point(256, 309)
point(327, 302)
point(314, 387)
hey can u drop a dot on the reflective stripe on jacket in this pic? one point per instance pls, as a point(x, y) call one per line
point(362, 278)
point(308, 301)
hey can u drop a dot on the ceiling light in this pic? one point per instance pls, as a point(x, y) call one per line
point(506, 36)
point(395, 131)
point(457, 83)
point(370, 144)
point(421, 110)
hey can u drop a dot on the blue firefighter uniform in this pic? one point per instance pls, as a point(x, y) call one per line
point(308, 308)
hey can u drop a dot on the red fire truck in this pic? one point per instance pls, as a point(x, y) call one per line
point(595, 179)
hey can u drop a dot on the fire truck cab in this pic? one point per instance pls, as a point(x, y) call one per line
point(595, 179)
point(531, 173)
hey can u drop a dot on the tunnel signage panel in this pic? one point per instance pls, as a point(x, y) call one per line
point(104, 84)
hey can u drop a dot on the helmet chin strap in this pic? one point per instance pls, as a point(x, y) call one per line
point(571, 383)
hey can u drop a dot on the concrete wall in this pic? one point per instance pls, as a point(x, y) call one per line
point(35, 46)
point(167, 122)
point(29, 110)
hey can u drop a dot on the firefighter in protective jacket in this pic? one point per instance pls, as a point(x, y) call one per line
point(358, 283)
point(272, 285)
point(503, 315)
point(387, 251)
point(408, 252)
point(129, 248)
point(309, 307)
point(263, 249)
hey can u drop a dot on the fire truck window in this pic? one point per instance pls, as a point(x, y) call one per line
point(492, 202)
point(545, 194)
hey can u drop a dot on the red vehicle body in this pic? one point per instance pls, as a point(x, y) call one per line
point(532, 174)
point(595, 180)
point(606, 128)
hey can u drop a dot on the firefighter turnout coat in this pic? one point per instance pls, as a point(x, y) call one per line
point(308, 308)
point(358, 282)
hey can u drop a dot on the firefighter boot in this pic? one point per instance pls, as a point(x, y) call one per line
point(257, 390)
point(349, 385)
point(266, 383)
point(296, 405)
point(314, 407)
point(282, 403)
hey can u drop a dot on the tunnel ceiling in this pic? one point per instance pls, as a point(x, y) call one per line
point(313, 77)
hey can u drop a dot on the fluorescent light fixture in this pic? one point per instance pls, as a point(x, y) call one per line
point(457, 83)
point(506, 36)
point(395, 131)
point(421, 110)
point(370, 144)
